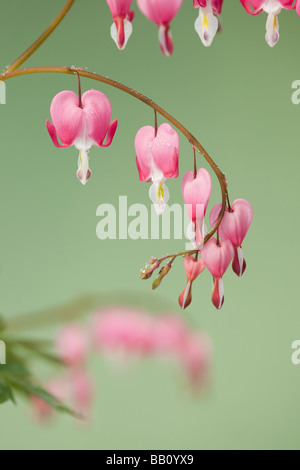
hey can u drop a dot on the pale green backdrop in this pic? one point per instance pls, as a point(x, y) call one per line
point(236, 98)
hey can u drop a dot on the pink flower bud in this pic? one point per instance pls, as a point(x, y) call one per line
point(234, 227)
point(157, 160)
point(217, 258)
point(196, 358)
point(161, 12)
point(196, 193)
point(72, 344)
point(193, 268)
point(41, 410)
point(121, 29)
point(81, 126)
point(82, 391)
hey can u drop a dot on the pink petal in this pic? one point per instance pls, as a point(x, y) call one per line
point(159, 11)
point(216, 257)
point(165, 151)
point(218, 293)
point(193, 267)
point(67, 117)
point(235, 224)
point(119, 8)
point(143, 143)
point(52, 132)
point(256, 4)
point(196, 193)
point(97, 113)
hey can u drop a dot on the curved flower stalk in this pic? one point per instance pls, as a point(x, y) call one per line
point(272, 8)
point(207, 24)
point(157, 159)
point(121, 28)
point(82, 122)
point(161, 12)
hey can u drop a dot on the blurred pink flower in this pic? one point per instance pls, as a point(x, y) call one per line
point(169, 334)
point(81, 390)
point(41, 410)
point(72, 344)
point(121, 329)
point(196, 359)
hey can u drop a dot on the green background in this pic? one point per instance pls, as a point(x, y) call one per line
point(236, 98)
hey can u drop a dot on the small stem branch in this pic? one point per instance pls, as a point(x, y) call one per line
point(31, 49)
point(155, 122)
point(193, 141)
point(195, 164)
point(79, 87)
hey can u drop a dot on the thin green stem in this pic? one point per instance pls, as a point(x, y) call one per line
point(41, 39)
point(193, 141)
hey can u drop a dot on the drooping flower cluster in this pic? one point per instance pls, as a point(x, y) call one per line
point(123, 333)
point(162, 12)
point(157, 159)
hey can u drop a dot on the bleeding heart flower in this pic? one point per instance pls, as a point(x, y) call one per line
point(196, 193)
point(157, 160)
point(272, 8)
point(81, 123)
point(217, 258)
point(121, 28)
point(193, 268)
point(161, 12)
point(72, 344)
point(234, 227)
point(207, 24)
point(81, 390)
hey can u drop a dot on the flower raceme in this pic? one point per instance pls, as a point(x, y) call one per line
point(161, 12)
point(234, 227)
point(207, 23)
point(196, 191)
point(157, 160)
point(272, 8)
point(82, 122)
point(121, 28)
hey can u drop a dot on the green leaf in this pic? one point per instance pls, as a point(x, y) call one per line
point(29, 388)
point(14, 368)
point(6, 392)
